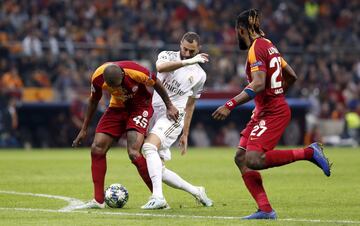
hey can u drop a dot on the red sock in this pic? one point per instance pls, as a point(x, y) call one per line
point(253, 182)
point(98, 170)
point(140, 163)
point(282, 157)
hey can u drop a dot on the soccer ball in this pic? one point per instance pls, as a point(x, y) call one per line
point(116, 196)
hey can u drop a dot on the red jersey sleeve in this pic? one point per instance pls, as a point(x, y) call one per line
point(97, 81)
point(257, 56)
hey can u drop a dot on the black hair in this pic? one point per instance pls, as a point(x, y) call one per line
point(250, 19)
point(191, 37)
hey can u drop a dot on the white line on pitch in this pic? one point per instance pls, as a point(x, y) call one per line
point(176, 216)
point(72, 201)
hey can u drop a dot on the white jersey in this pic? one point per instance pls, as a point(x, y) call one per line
point(179, 84)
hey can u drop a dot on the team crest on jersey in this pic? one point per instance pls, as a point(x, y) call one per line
point(191, 79)
point(145, 114)
point(134, 88)
point(262, 123)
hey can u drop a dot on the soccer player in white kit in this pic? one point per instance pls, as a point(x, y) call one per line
point(183, 80)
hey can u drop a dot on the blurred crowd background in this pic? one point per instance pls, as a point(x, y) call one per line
point(49, 48)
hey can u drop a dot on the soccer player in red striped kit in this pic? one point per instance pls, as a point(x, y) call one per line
point(129, 112)
point(269, 77)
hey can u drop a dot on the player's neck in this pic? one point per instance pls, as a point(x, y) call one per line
point(252, 39)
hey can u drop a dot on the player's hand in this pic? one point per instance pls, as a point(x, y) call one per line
point(199, 58)
point(172, 113)
point(183, 144)
point(80, 137)
point(221, 113)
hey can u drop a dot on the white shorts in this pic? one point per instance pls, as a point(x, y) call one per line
point(167, 130)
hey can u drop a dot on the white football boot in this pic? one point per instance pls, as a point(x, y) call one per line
point(155, 203)
point(92, 204)
point(202, 197)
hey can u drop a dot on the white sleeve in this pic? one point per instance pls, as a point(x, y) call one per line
point(163, 57)
point(199, 87)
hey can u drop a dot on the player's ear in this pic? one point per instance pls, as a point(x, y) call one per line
point(242, 31)
point(199, 49)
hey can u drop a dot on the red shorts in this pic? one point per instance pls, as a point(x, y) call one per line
point(264, 134)
point(116, 121)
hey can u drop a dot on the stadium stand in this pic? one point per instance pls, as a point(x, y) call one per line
point(48, 49)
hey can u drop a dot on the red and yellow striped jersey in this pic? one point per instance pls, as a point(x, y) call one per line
point(264, 56)
point(133, 88)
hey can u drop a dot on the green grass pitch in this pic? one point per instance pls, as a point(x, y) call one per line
point(300, 193)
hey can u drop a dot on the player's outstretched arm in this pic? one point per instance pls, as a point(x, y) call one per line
point(173, 65)
point(92, 106)
point(171, 111)
point(189, 110)
point(257, 85)
point(289, 77)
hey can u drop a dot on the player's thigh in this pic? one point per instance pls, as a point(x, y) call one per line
point(168, 130)
point(134, 141)
point(113, 122)
point(266, 133)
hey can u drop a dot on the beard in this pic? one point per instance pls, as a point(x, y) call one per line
point(242, 43)
point(184, 57)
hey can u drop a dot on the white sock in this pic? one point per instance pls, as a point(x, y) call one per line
point(154, 166)
point(173, 180)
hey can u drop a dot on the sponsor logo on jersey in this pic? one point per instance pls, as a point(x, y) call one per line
point(174, 87)
point(256, 64)
point(120, 94)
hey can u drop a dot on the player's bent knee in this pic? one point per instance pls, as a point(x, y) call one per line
point(254, 160)
point(133, 153)
point(98, 148)
point(240, 157)
point(136, 146)
point(148, 149)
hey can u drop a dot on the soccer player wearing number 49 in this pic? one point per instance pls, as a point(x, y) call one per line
point(269, 77)
point(183, 79)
